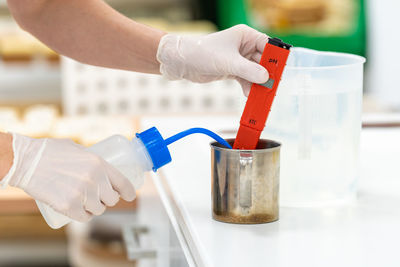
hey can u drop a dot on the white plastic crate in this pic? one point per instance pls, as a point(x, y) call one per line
point(93, 90)
point(34, 82)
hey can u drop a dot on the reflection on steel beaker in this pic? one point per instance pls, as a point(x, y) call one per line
point(245, 183)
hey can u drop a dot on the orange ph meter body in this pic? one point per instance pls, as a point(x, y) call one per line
point(260, 99)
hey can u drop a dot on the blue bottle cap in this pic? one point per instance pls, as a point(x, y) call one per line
point(156, 147)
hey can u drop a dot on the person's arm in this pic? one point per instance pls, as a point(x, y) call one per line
point(6, 155)
point(91, 32)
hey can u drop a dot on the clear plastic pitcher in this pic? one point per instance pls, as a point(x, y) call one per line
point(316, 115)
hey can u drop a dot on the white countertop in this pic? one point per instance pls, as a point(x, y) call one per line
point(365, 233)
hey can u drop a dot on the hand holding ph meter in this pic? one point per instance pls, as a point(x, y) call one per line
point(261, 96)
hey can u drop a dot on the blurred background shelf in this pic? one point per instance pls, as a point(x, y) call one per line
point(15, 201)
point(24, 84)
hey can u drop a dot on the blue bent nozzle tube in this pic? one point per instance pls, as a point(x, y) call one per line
point(157, 147)
point(214, 136)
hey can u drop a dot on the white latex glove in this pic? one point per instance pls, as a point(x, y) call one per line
point(67, 177)
point(230, 54)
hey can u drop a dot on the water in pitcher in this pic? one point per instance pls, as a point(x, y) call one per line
point(319, 127)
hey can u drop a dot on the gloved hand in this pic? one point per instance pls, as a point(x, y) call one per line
point(67, 177)
point(233, 53)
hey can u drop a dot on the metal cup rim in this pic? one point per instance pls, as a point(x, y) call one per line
point(217, 146)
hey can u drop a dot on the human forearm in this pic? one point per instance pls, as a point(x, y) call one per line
point(91, 32)
point(6, 154)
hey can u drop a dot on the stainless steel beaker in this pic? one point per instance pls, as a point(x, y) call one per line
point(245, 183)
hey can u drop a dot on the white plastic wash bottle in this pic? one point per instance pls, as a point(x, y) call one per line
point(147, 151)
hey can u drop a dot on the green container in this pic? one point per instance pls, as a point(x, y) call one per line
point(343, 26)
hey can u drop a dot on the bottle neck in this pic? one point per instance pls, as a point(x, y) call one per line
point(143, 157)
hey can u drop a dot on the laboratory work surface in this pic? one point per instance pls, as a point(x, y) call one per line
point(362, 233)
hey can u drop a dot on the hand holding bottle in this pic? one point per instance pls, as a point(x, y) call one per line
point(66, 177)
